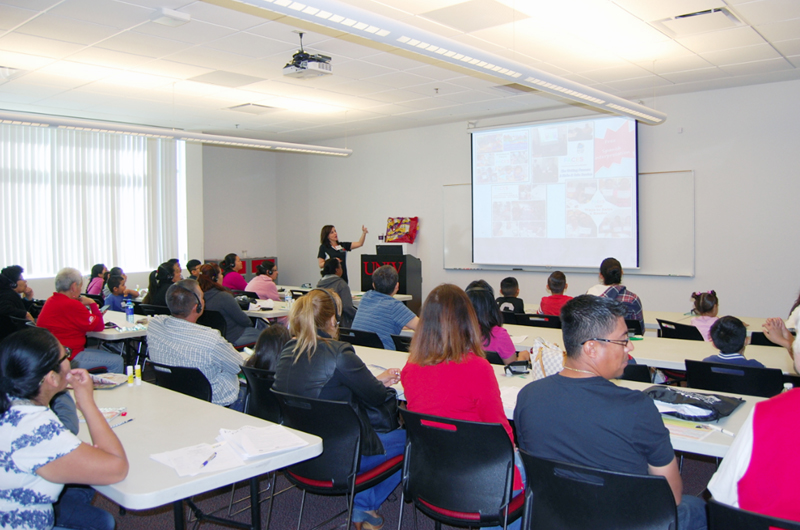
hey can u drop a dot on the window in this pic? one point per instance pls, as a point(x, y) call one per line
point(76, 198)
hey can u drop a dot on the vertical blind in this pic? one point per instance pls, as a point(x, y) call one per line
point(75, 198)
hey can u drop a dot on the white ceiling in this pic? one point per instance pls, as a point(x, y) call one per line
point(106, 60)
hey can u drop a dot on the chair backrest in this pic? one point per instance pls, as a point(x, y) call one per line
point(7, 327)
point(458, 466)
point(634, 326)
point(189, 381)
point(573, 497)
point(673, 330)
point(509, 317)
point(724, 517)
point(538, 321)
point(493, 357)
point(338, 426)
point(153, 310)
point(401, 343)
point(747, 380)
point(637, 372)
point(356, 337)
point(757, 338)
point(249, 294)
point(261, 402)
point(96, 297)
point(20, 323)
point(215, 320)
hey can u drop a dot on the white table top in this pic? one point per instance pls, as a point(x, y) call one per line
point(715, 444)
point(166, 420)
point(278, 310)
point(118, 317)
point(355, 294)
point(662, 353)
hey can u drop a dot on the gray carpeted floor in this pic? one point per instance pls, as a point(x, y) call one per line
point(697, 471)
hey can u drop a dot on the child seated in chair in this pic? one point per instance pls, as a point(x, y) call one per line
point(706, 306)
point(509, 301)
point(116, 284)
point(556, 284)
point(729, 336)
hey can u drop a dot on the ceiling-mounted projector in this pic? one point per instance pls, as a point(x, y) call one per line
point(305, 66)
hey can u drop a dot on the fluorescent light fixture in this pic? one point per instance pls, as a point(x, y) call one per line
point(412, 39)
point(77, 124)
point(170, 17)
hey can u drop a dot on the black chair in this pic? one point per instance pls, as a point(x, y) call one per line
point(153, 310)
point(509, 317)
point(538, 321)
point(757, 338)
point(189, 381)
point(249, 294)
point(634, 326)
point(357, 337)
point(401, 343)
point(459, 473)
point(564, 496)
point(297, 294)
point(637, 372)
point(215, 320)
point(673, 330)
point(494, 358)
point(724, 517)
point(21, 323)
point(722, 377)
point(261, 402)
point(335, 471)
point(96, 297)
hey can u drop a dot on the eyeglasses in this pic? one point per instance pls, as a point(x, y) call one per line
point(621, 342)
point(57, 365)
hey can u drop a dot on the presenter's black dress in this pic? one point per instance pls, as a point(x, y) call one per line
point(327, 252)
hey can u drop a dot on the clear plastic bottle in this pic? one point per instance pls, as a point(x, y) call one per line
point(128, 310)
point(288, 299)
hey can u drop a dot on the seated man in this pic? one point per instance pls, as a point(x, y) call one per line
point(578, 416)
point(760, 472)
point(729, 336)
point(380, 312)
point(177, 340)
point(70, 316)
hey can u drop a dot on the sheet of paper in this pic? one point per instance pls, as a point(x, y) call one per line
point(188, 461)
point(686, 429)
point(518, 339)
point(260, 441)
point(688, 410)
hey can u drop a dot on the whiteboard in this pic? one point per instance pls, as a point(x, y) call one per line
point(666, 227)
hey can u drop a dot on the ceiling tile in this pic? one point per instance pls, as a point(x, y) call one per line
point(35, 5)
point(722, 40)
point(23, 61)
point(143, 44)
point(767, 11)
point(651, 10)
point(700, 74)
point(11, 16)
point(741, 55)
point(226, 79)
point(474, 15)
point(399, 80)
point(678, 64)
point(642, 83)
point(108, 13)
point(788, 47)
point(170, 69)
point(195, 32)
point(252, 45)
point(778, 31)
point(393, 61)
point(626, 71)
point(205, 57)
point(221, 16)
point(30, 91)
point(67, 30)
point(363, 70)
point(758, 67)
point(29, 44)
point(109, 58)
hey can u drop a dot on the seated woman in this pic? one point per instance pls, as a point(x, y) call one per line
point(495, 337)
point(231, 266)
point(13, 288)
point(268, 347)
point(447, 373)
point(332, 279)
point(611, 276)
point(264, 282)
point(240, 329)
point(40, 454)
point(160, 280)
point(317, 365)
point(97, 279)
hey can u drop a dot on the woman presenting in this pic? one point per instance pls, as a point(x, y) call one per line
point(331, 247)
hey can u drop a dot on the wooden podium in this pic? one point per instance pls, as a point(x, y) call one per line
point(409, 269)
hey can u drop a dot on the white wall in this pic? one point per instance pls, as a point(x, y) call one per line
point(741, 143)
point(239, 202)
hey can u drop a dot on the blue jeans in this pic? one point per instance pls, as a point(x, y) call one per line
point(92, 358)
point(394, 444)
point(74, 510)
point(692, 513)
point(238, 405)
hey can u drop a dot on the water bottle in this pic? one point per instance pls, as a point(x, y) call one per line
point(129, 310)
point(288, 299)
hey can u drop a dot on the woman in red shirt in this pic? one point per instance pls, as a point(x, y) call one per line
point(447, 373)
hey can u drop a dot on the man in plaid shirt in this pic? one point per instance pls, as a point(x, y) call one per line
point(177, 340)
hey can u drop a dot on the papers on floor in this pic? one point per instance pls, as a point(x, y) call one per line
point(201, 458)
point(232, 449)
point(252, 442)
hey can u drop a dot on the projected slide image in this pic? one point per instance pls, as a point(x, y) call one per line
point(617, 191)
point(580, 224)
point(549, 141)
point(545, 170)
point(616, 224)
point(581, 191)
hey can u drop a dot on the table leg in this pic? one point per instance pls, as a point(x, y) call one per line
point(177, 510)
point(255, 505)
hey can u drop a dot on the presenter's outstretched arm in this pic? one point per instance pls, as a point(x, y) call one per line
point(360, 242)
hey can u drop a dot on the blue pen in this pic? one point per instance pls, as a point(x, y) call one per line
point(122, 423)
point(209, 459)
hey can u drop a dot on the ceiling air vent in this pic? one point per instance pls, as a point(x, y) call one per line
point(699, 22)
